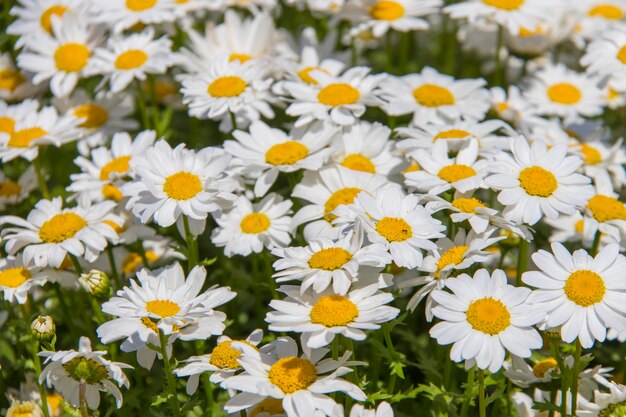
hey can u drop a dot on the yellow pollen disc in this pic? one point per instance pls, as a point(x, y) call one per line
point(358, 162)
point(10, 79)
point(412, 168)
point(13, 277)
point(339, 197)
point(140, 5)
point(9, 188)
point(23, 409)
point(54, 402)
point(452, 256)
point(339, 94)
point(537, 181)
point(468, 205)
point(541, 367)
point(23, 138)
point(111, 192)
point(387, 10)
point(119, 165)
point(431, 95)
point(452, 134)
point(607, 11)
point(502, 107)
point(71, 57)
point(182, 186)
point(605, 208)
point(6, 125)
point(225, 357)
point(334, 310)
point(621, 55)
point(456, 172)
point(239, 57)
point(394, 229)
point(286, 153)
point(118, 229)
point(525, 32)
point(146, 321)
point(270, 406)
point(305, 74)
point(46, 17)
point(255, 223)
point(580, 226)
point(292, 374)
point(229, 86)
point(590, 154)
point(488, 316)
point(162, 308)
point(585, 288)
point(133, 261)
point(95, 116)
point(164, 89)
point(564, 93)
point(61, 227)
point(329, 259)
point(131, 59)
point(504, 4)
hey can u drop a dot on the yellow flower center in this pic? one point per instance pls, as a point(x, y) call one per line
point(13, 277)
point(452, 256)
point(621, 54)
point(387, 10)
point(140, 5)
point(585, 288)
point(239, 57)
point(119, 165)
point(590, 154)
point(255, 223)
point(339, 197)
point(541, 367)
point(118, 229)
point(452, 134)
point(7, 125)
point(431, 95)
point(502, 107)
point(182, 186)
point(130, 59)
point(292, 374)
point(456, 172)
point(95, 116)
point(54, 402)
point(270, 406)
point(468, 205)
point(305, 74)
point(111, 192)
point(564, 93)
point(286, 153)
point(164, 89)
point(358, 162)
point(526, 32)
point(580, 226)
point(22, 409)
point(146, 321)
point(23, 138)
point(329, 259)
point(504, 4)
point(61, 227)
point(334, 310)
point(133, 260)
point(71, 57)
point(394, 229)
point(10, 79)
point(46, 17)
point(488, 316)
point(229, 86)
point(9, 188)
point(225, 357)
point(607, 11)
point(537, 181)
point(605, 208)
point(339, 94)
point(414, 167)
point(162, 308)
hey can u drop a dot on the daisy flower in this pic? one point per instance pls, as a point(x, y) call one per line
point(537, 181)
point(221, 362)
point(605, 213)
point(13, 83)
point(483, 318)
point(299, 381)
point(324, 262)
point(465, 207)
point(34, 18)
point(519, 372)
point(602, 161)
point(340, 99)
point(570, 229)
point(584, 295)
point(50, 232)
point(64, 58)
point(434, 97)
point(123, 14)
point(612, 403)
point(383, 410)
point(366, 147)
point(599, 16)
point(558, 91)
point(310, 60)
point(440, 173)
point(265, 152)
point(322, 316)
point(511, 105)
point(510, 14)
point(24, 408)
point(133, 57)
point(14, 192)
point(175, 182)
point(605, 57)
point(69, 370)
point(17, 279)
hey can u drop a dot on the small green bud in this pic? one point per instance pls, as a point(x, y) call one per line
point(95, 282)
point(43, 328)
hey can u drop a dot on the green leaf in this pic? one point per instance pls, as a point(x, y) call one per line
point(396, 368)
point(160, 399)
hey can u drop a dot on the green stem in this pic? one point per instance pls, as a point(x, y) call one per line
point(82, 399)
point(575, 372)
point(522, 261)
point(482, 406)
point(114, 274)
point(171, 382)
point(34, 348)
point(141, 104)
point(77, 267)
point(192, 245)
point(208, 393)
point(41, 179)
point(392, 351)
point(142, 254)
point(468, 391)
point(233, 121)
point(596, 243)
point(154, 105)
point(95, 305)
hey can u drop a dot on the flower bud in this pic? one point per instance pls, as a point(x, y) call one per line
point(43, 328)
point(511, 239)
point(95, 282)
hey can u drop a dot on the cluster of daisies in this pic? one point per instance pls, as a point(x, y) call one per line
point(174, 171)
